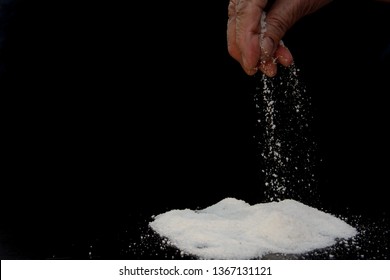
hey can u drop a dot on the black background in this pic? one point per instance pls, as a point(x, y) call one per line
point(112, 113)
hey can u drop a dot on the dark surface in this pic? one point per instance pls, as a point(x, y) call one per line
point(107, 121)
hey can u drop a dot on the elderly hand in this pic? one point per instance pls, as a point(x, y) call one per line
point(255, 31)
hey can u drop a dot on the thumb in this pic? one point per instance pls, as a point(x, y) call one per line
point(281, 16)
point(278, 21)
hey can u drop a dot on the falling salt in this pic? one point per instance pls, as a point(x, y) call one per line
point(283, 137)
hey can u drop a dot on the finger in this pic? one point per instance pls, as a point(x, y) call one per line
point(280, 18)
point(248, 16)
point(269, 68)
point(283, 55)
point(233, 48)
point(231, 32)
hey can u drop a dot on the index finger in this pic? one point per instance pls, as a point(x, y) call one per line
point(248, 29)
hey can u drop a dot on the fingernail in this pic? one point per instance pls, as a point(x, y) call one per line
point(249, 69)
point(245, 62)
point(252, 71)
point(267, 48)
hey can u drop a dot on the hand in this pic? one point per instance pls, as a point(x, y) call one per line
point(254, 35)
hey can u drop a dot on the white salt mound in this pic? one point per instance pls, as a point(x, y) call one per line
point(233, 229)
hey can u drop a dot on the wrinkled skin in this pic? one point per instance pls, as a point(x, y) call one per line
point(256, 49)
